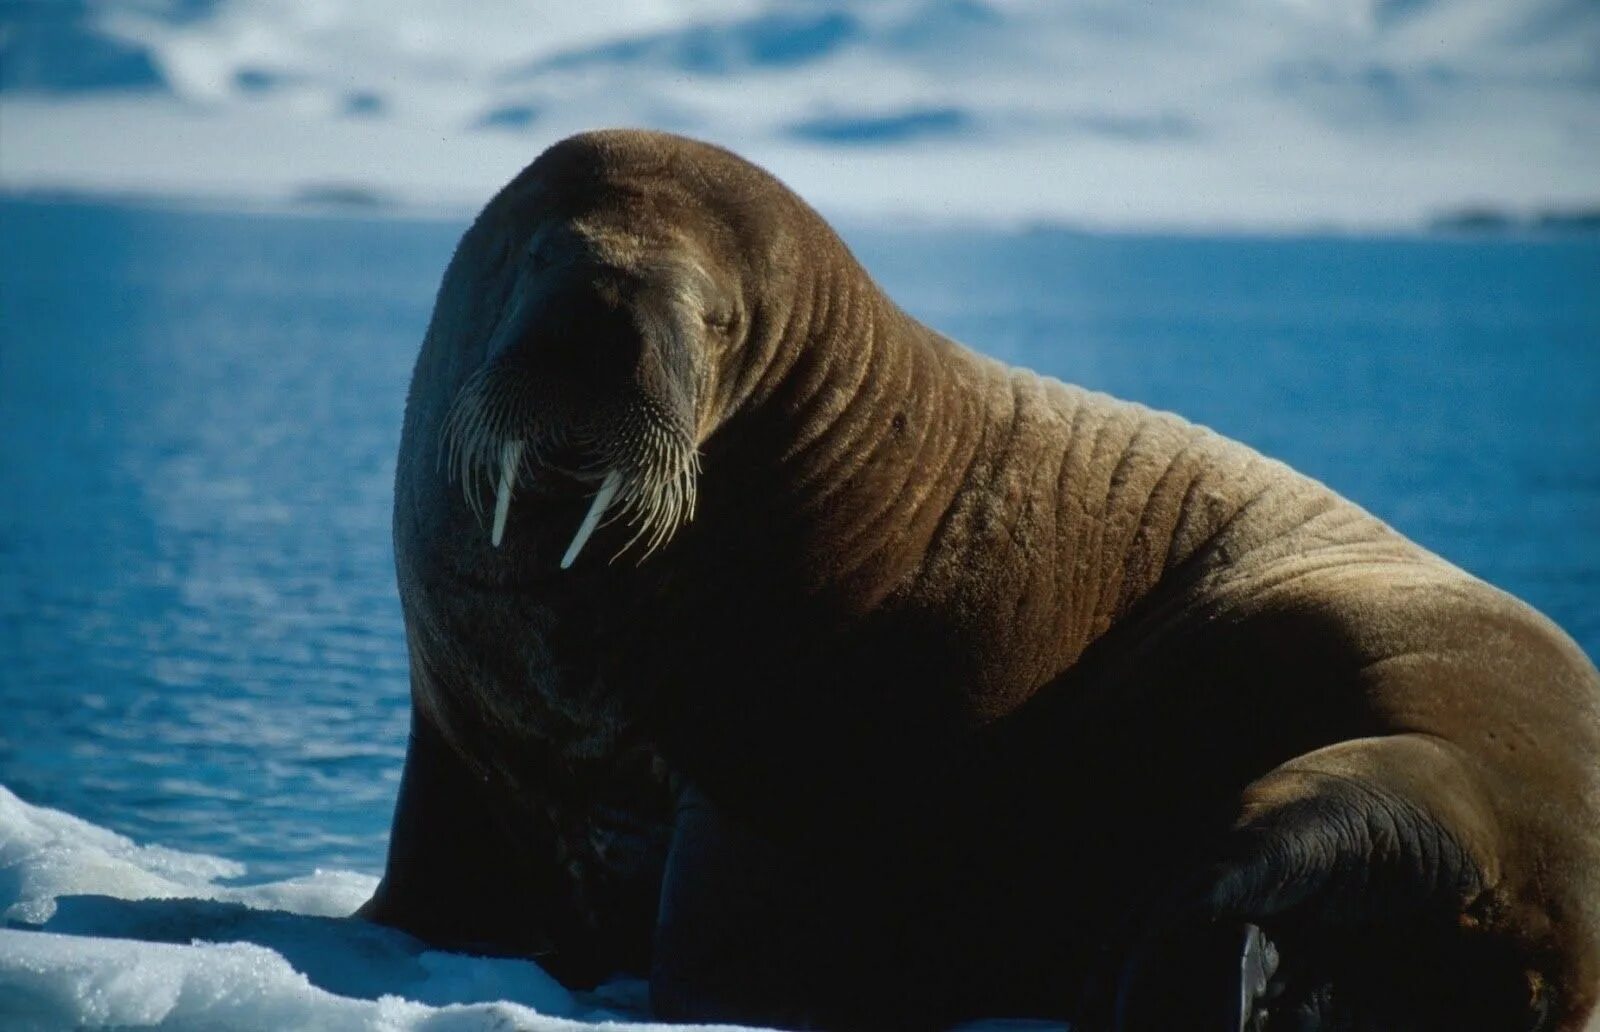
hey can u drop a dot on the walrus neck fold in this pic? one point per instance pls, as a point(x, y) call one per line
point(845, 416)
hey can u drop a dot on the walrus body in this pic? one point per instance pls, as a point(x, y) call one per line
point(963, 691)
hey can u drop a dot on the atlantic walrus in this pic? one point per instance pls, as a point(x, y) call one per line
point(936, 688)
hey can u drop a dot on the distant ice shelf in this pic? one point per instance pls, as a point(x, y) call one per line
point(1223, 115)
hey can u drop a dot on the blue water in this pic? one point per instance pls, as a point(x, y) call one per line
point(200, 642)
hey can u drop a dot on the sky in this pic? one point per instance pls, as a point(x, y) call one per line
point(1253, 114)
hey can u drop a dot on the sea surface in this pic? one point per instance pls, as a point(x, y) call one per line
point(200, 642)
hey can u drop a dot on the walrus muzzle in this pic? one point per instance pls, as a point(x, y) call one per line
point(587, 378)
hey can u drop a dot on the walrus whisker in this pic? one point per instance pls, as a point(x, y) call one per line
point(662, 502)
point(602, 499)
point(490, 433)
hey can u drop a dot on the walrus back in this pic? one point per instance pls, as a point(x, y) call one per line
point(1198, 579)
point(1078, 506)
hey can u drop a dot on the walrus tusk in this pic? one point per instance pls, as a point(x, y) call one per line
point(591, 519)
point(510, 456)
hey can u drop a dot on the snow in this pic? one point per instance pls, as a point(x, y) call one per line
point(1222, 113)
point(100, 931)
point(97, 931)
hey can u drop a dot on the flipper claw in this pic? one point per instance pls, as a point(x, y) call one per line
point(1198, 974)
point(1258, 961)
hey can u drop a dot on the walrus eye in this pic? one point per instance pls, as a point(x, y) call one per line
point(542, 247)
point(721, 321)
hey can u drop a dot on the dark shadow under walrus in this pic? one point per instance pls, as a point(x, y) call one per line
point(768, 642)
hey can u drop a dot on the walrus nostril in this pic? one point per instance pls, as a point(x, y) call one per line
point(571, 345)
point(512, 327)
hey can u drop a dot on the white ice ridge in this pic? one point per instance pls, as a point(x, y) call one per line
point(97, 931)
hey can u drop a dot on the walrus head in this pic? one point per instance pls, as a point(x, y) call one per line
point(626, 295)
point(597, 363)
point(591, 374)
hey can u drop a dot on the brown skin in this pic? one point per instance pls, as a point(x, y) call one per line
point(975, 693)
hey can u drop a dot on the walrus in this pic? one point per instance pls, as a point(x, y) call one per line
point(767, 643)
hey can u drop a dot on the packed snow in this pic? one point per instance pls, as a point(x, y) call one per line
point(1223, 113)
point(97, 931)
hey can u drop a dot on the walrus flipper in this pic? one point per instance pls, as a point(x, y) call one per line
point(1258, 962)
point(755, 931)
point(452, 877)
point(746, 931)
point(465, 873)
point(1377, 901)
point(1198, 974)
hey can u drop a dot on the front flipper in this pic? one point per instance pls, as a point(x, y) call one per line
point(795, 933)
point(1370, 870)
point(1210, 976)
point(740, 934)
point(469, 869)
point(1258, 962)
point(454, 877)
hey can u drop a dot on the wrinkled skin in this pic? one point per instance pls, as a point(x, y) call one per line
point(964, 691)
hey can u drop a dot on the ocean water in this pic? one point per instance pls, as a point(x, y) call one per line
point(200, 643)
